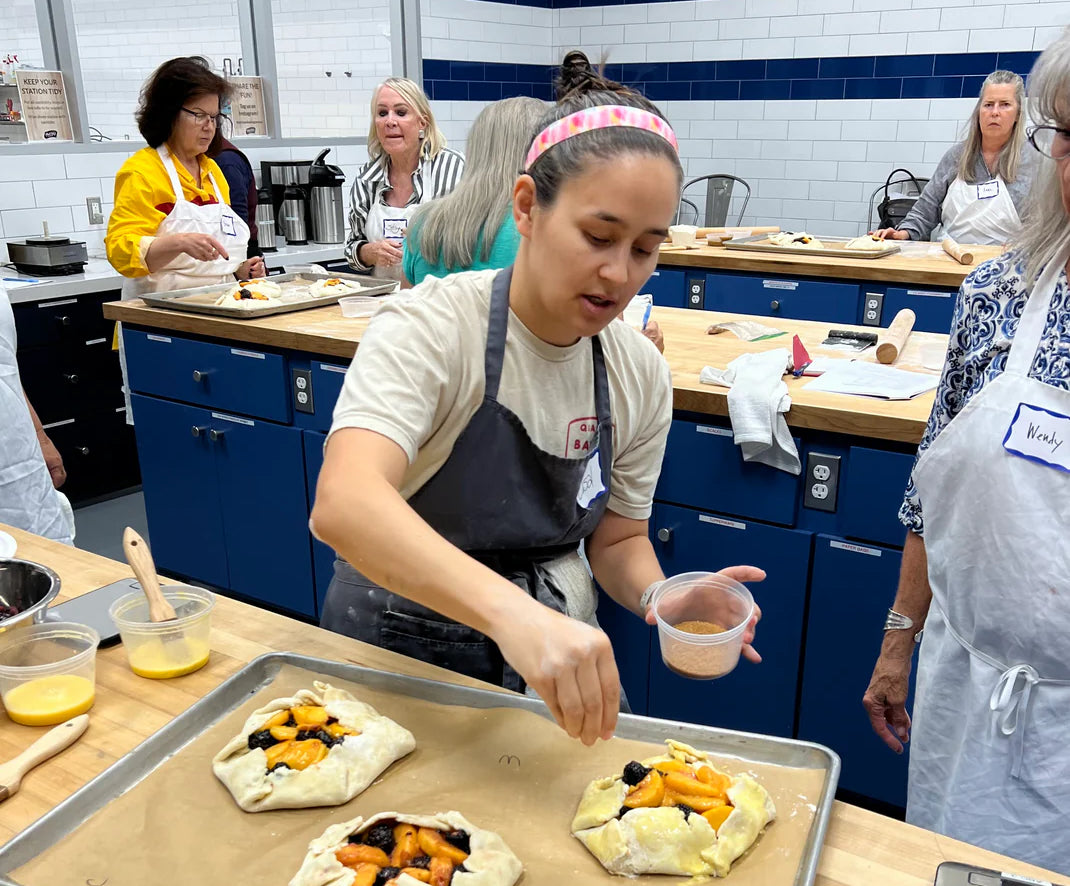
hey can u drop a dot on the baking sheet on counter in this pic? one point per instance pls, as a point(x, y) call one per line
point(202, 299)
point(834, 246)
point(492, 757)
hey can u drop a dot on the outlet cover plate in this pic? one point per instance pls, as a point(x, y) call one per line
point(822, 481)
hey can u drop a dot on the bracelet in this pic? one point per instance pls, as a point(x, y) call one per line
point(644, 600)
point(896, 621)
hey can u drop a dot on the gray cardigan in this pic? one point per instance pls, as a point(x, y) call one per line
point(925, 214)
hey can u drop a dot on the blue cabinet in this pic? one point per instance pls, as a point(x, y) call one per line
point(322, 555)
point(669, 288)
point(226, 501)
point(802, 299)
point(852, 587)
point(327, 381)
point(633, 639)
point(932, 307)
point(872, 491)
point(753, 698)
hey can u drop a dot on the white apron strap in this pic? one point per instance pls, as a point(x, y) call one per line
point(172, 173)
point(1034, 317)
point(215, 187)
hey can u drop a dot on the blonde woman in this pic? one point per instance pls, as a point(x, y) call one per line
point(985, 563)
point(979, 185)
point(408, 164)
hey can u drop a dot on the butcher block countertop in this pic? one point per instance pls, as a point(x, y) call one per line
point(919, 264)
point(861, 847)
point(325, 332)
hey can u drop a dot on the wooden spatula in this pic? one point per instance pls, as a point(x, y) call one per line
point(140, 560)
point(49, 744)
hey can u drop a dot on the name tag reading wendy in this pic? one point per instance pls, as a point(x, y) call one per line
point(1039, 435)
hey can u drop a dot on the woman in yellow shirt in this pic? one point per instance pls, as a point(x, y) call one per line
point(172, 226)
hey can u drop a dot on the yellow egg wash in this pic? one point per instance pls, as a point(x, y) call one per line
point(161, 660)
point(49, 700)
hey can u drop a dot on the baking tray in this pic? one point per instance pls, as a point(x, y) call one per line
point(201, 300)
point(133, 767)
point(760, 243)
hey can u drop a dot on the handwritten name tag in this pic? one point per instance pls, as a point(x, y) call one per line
point(591, 485)
point(394, 228)
point(1040, 435)
point(985, 190)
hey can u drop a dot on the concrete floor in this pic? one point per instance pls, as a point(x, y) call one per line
point(99, 527)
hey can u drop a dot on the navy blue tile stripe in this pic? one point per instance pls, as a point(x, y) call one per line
point(856, 77)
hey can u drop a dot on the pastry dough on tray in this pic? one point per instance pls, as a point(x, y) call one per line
point(333, 286)
point(321, 747)
point(251, 294)
point(867, 242)
point(798, 239)
point(680, 816)
point(403, 850)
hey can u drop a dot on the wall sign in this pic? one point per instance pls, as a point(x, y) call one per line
point(44, 105)
point(247, 106)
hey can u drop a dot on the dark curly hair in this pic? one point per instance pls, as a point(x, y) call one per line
point(168, 88)
point(580, 86)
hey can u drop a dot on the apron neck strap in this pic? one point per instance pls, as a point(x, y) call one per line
point(172, 172)
point(215, 187)
point(1034, 317)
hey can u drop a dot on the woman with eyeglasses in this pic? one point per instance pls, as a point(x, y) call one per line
point(979, 185)
point(987, 572)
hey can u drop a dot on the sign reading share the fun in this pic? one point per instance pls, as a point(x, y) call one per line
point(1040, 435)
point(44, 105)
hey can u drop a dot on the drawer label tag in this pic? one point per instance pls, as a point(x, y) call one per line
point(97, 341)
point(929, 294)
point(718, 432)
point(56, 304)
point(781, 284)
point(254, 354)
point(160, 338)
point(720, 521)
point(330, 367)
point(57, 424)
point(856, 549)
point(238, 421)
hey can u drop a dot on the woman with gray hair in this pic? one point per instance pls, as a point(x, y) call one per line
point(988, 580)
point(981, 183)
point(472, 227)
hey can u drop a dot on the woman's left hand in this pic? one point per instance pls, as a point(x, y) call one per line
point(251, 268)
point(653, 332)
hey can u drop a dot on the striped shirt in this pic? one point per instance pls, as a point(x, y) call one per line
point(434, 177)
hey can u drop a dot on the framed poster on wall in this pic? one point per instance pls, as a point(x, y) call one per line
point(44, 105)
point(247, 111)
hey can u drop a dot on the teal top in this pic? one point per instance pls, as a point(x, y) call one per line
point(502, 254)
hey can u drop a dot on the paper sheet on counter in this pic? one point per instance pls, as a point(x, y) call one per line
point(872, 380)
point(507, 770)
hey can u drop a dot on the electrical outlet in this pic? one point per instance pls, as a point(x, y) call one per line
point(302, 390)
point(696, 293)
point(96, 211)
point(872, 306)
point(822, 479)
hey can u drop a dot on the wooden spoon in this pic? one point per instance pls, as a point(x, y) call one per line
point(140, 560)
point(49, 744)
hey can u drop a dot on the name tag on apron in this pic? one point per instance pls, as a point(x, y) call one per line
point(591, 485)
point(986, 190)
point(394, 228)
point(1039, 435)
point(226, 224)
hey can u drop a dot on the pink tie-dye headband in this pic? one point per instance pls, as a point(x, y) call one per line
point(599, 117)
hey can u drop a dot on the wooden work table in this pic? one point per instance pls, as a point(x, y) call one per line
point(688, 348)
point(861, 847)
point(919, 263)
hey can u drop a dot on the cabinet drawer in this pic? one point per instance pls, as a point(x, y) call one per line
point(64, 383)
point(872, 493)
point(669, 288)
point(704, 468)
point(778, 297)
point(327, 380)
point(99, 455)
point(932, 307)
point(55, 321)
point(235, 379)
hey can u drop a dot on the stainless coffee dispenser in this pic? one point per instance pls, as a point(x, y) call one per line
point(328, 217)
point(292, 216)
point(265, 220)
point(288, 180)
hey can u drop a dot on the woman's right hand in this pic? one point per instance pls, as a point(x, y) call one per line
point(198, 246)
point(569, 664)
point(385, 253)
point(891, 234)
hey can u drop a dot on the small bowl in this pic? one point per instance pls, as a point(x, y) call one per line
point(683, 235)
point(359, 305)
point(48, 672)
point(28, 588)
point(690, 608)
point(160, 650)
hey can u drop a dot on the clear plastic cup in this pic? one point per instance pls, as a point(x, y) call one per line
point(701, 618)
point(160, 650)
point(683, 235)
point(48, 672)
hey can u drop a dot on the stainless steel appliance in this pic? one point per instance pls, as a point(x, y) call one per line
point(265, 220)
point(325, 180)
point(293, 217)
point(282, 176)
point(48, 256)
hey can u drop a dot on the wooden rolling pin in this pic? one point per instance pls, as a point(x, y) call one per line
point(956, 251)
point(768, 229)
point(890, 341)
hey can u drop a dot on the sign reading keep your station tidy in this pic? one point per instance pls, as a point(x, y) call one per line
point(44, 105)
point(247, 106)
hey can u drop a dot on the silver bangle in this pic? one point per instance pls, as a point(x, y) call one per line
point(644, 600)
point(896, 621)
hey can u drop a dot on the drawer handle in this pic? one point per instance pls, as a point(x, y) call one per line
point(665, 534)
point(64, 320)
point(84, 450)
point(214, 435)
point(197, 430)
point(199, 376)
point(72, 377)
point(774, 305)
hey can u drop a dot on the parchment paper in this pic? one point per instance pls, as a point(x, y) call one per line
point(506, 770)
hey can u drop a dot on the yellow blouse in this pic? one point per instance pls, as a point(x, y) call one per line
point(144, 198)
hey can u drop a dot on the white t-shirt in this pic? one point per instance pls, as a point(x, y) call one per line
point(418, 378)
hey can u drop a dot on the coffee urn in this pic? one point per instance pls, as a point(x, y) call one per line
point(328, 225)
point(265, 220)
point(292, 216)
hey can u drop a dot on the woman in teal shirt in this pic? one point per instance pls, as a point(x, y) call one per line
point(472, 227)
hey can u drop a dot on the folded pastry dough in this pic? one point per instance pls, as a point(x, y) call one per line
point(460, 853)
point(257, 293)
point(362, 744)
point(798, 239)
point(333, 286)
point(866, 242)
point(693, 834)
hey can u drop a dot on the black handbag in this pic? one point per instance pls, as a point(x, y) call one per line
point(892, 210)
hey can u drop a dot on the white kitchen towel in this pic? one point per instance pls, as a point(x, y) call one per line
point(757, 400)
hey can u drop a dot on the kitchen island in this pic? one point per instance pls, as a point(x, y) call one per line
point(861, 847)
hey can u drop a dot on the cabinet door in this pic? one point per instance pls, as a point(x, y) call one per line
point(178, 471)
point(322, 555)
point(932, 308)
point(753, 698)
point(261, 469)
point(669, 288)
point(802, 299)
point(632, 640)
point(851, 589)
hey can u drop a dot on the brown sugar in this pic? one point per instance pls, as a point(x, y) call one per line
point(699, 627)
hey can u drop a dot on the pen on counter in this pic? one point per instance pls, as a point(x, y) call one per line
point(646, 315)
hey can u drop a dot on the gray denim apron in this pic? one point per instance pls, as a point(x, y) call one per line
point(503, 501)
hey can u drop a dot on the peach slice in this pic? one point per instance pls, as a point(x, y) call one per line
point(353, 854)
point(649, 792)
point(441, 871)
point(406, 846)
point(434, 844)
point(716, 817)
point(309, 716)
point(686, 784)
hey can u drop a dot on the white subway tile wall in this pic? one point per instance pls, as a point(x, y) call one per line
point(18, 32)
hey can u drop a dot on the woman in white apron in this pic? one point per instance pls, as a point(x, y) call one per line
point(989, 762)
point(409, 164)
point(979, 184)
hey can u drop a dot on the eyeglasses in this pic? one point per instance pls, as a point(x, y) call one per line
point(200, 118)
point(1051, 141)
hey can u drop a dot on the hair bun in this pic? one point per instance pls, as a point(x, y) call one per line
point(577, 77)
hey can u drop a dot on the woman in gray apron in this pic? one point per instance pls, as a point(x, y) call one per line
point(548, 420)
